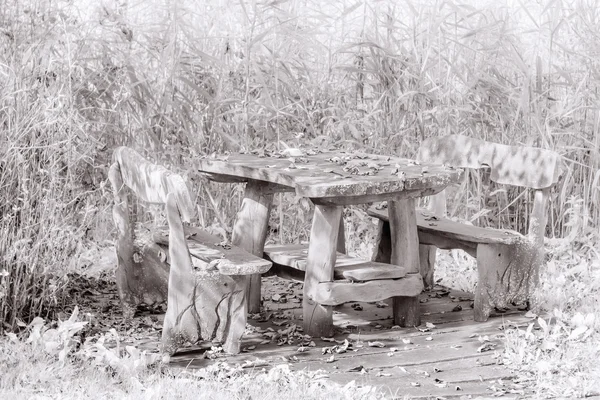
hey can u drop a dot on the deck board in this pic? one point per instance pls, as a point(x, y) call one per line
point(449, 352)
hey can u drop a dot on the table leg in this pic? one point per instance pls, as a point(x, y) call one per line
point(318, 319)
point(250, 232)
point(405, 252)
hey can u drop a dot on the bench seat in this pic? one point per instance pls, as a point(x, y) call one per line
point(354, 279)
point(447, 234)
point(208, 253)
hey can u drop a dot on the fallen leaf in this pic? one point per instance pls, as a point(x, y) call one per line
point(486, 347)
point(376, 344)
point(359, 368)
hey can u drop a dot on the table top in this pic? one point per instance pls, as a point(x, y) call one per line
point(332, 174)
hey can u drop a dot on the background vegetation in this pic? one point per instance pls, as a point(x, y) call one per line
point(179, 79)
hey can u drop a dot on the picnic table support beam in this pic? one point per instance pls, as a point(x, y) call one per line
point(318, 319)
point(250, 232)
point(405, 252)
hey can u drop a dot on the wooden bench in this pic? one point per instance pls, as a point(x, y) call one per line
point(507, 261)
point(202, 278)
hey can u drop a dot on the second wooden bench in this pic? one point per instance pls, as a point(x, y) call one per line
point(507, 261)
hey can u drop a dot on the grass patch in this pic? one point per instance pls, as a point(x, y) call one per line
point(52, 363)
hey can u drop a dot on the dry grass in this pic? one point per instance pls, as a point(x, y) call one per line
point(52, 363)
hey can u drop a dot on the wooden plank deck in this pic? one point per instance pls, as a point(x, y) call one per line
point(453, 358)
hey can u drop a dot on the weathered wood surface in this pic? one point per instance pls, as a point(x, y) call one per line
point(203, 279)
point(336, 175)
point(319, 268)
point(141, 275)
point(455, 352)
point(405, 252)
point(445, 233)
point(250, 232)
point(513, 165)
point(340, 292)
point(202, 305)
point(507, 262)
point(346, 267)
point(153, 182)
point(214, 253)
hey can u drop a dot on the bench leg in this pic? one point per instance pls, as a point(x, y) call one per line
point(201, 305)
point(250, 232)
point(405, 252)
point(318, 319)
point(506, 274)
point(427, 256)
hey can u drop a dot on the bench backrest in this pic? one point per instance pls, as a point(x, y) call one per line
point(152, 183)
point(523, 166)
point(513, 165)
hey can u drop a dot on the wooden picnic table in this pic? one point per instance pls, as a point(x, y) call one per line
point(331, 180)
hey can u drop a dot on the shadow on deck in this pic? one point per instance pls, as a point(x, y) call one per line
point(448, 356)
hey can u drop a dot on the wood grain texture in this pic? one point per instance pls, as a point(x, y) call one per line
point(318, 177)
point(207, 292)
point(214, 253)
point(250, 232)
point(202, 305)
point(513, 165)
point(334, 293)
point(346, 267)
point(153, 182)
point(319, 268)
point(447, 353)
point(439, 226)
point(405, 252)
point(506, 274)
point(141, 274)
